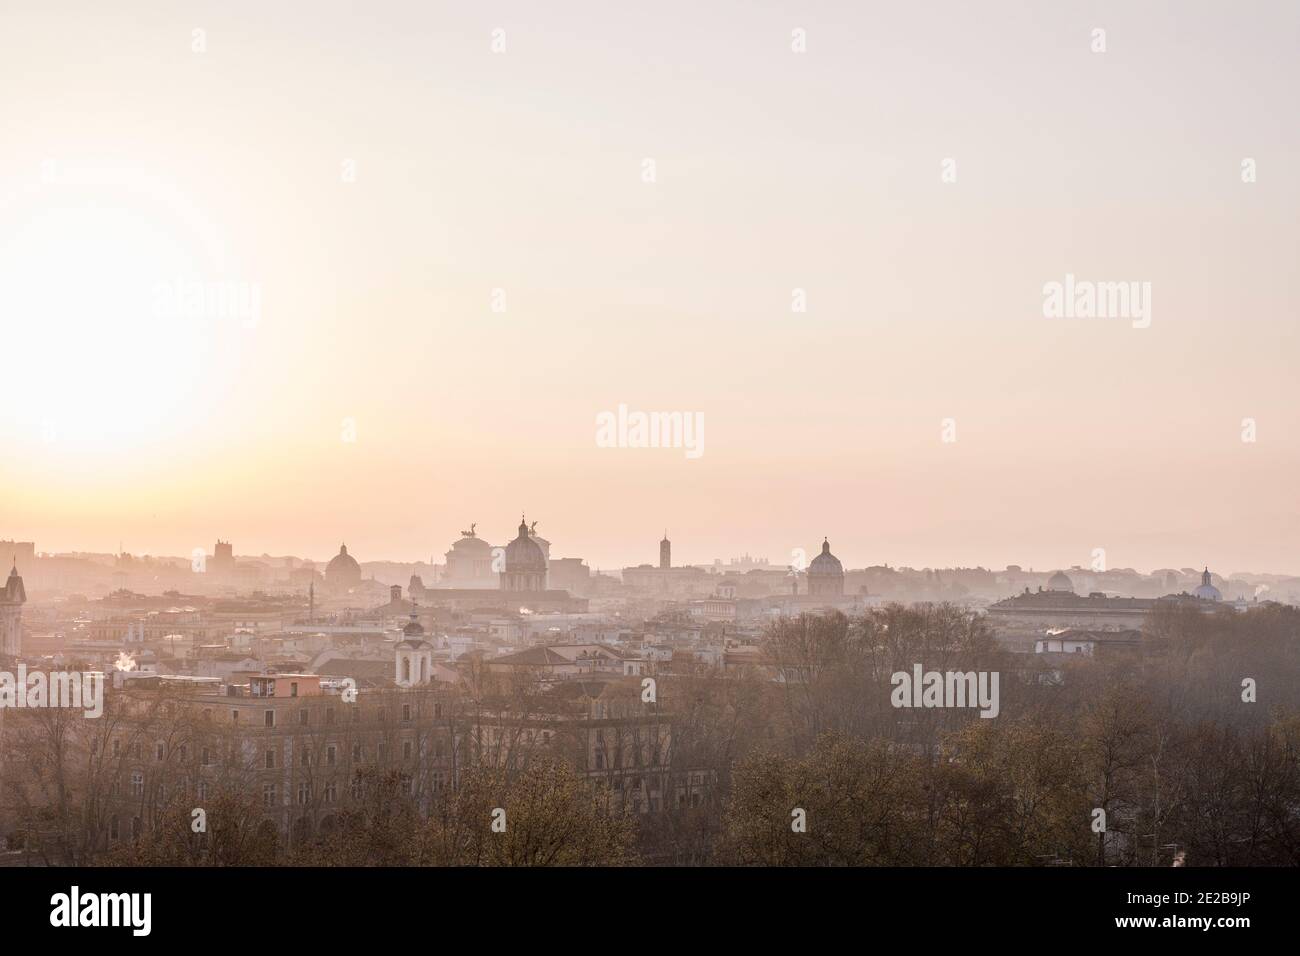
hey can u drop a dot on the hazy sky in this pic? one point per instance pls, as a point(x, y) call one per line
point(131, 160)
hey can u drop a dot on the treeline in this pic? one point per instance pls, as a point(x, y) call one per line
point(1186, 749)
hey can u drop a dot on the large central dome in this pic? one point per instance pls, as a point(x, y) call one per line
point(523, 553)
point(525, 563)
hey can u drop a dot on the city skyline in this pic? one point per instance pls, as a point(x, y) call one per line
point(420, 293)
point(1097, 563)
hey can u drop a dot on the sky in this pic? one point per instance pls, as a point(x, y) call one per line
point(470, 229)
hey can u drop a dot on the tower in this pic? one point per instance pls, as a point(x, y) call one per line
point(223, 558)
point(414, 655)
point(12, 598)
point(665, 553)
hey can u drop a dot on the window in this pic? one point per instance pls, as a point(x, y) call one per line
point(355, 788)
point(159, 751)
point(207, 756)
point(329, 715)
point(234, 716)
point(270, 760)
point(135, 750)
point(330, 755)
point(269, 719)
point(331, 792)
point(113, 829)
point(356, 753)
point(407, 749)
point(202, 790)
point(306, 758)
point(302, 717)
point(268, 796)
point(293, 688)
point(406, 713)
point(117, 747)
point(137, 783)
point(185, 753)
point(304, 793)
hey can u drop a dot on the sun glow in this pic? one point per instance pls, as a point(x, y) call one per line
point(107, 357)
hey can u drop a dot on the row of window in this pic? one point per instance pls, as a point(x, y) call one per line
point(304, 715)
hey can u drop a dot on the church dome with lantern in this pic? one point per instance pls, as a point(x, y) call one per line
point(826, 573)
point(1207, 591)
point(343, 572)
point(525, 563)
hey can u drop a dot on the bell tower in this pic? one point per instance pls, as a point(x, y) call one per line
point(12, 598)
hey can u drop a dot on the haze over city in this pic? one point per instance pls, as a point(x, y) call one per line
point(459, 262)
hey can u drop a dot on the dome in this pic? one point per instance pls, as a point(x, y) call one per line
point(826, 574)
point(1060, 581)
point(524, 553)
point(825, 563)
point(343, 570)
point(1207, 591)
point(414, 630)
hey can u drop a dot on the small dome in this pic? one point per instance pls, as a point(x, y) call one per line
point(825, 563)
point(1060, 581)
point(524, 553)
point(1207, 591)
